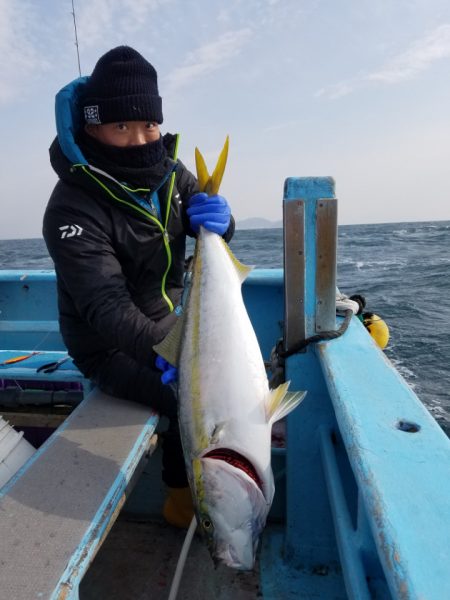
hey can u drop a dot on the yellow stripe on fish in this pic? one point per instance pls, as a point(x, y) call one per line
point(195, 301)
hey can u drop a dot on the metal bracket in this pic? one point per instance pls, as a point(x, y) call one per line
point(326, 234)
point(294, 272)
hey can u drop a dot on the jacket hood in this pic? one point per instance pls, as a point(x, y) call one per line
point(69, 119)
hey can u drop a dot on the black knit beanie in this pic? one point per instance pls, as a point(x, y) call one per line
point(123, 87)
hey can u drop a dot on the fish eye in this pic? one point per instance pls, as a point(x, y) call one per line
point(206, 524)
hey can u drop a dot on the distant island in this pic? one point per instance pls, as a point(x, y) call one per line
point(258, 223)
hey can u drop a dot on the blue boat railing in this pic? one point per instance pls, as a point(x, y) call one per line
point(29, 326)
point(367, 486)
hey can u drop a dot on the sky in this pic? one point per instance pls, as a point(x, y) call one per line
point(354, 89)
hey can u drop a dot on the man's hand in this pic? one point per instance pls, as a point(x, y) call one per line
point(169, 372)
point(212, 212)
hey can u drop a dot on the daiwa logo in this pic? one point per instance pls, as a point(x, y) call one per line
point(70, 231)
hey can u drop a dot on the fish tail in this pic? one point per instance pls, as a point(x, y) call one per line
point(211, 183)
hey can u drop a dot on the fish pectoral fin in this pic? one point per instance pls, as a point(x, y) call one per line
point(241, 269)
point(217, 433)
point(169, 347)
point(206, 182)
point(280, 402)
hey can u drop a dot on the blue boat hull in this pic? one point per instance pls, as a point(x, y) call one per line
point(362, 507)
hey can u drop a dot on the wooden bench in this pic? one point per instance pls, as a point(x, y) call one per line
point(57, 510)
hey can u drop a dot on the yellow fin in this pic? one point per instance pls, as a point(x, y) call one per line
point(281, 402)
point(211, 183)
point(202, 170)
point(169, 347)
point(216, 177)
point(241, 269)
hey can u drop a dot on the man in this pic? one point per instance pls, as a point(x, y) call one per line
point(115, 227)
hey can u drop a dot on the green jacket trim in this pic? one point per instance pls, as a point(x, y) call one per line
point(147, 214)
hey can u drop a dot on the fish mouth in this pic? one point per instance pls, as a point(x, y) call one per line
point(228, 557)
point(236, 460)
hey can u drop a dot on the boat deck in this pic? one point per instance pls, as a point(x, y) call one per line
point(138, 561)
point(139, 558)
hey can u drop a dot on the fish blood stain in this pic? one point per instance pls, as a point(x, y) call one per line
point(236, 460)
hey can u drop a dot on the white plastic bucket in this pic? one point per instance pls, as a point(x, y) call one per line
point(14, 451)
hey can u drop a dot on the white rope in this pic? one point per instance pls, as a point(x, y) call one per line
point(344, 303)
point(182, 560)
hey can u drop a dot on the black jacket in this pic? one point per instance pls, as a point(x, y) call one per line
point(119, 270)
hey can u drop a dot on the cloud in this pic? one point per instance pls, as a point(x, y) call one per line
point(419, 57)
point(338, 90)
point(100, 20)
point(290, 125)
point(20, 58)
point(208, 58)
point(94, 20)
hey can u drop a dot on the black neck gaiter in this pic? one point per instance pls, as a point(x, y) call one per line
point(134, 165)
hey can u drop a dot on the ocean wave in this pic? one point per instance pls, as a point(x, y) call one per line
point(405, 371)
point(401, 269)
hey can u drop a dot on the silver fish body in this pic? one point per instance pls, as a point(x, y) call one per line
point(226, 409)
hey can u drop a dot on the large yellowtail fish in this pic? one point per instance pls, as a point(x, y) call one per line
point(226, 409)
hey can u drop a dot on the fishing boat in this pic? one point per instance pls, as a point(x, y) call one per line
point(362, 501)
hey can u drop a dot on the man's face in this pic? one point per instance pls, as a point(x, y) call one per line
point(125, 133)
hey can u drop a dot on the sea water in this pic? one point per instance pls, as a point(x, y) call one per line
point(402, 269)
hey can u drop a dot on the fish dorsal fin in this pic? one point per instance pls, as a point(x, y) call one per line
point(169, 348)
point(206, 182)
point(241, 269)
point(280, 402)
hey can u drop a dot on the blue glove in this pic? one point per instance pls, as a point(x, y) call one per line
point(169, 372)
point(212, 212)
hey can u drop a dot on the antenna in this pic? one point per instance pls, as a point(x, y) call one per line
point(76, 37)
